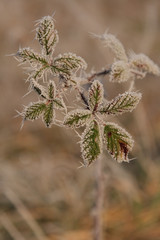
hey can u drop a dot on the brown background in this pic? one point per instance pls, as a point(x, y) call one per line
point(42, 193)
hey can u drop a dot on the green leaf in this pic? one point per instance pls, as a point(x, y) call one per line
point(118, 142)
point(47, 35)
point(68, 63)
point(39, 89)
point(91, 143)
point(95, 97)
point(51, 90)
point(125, 102)
point(59, 103)
point(48, 114)
point(39, 72)
point(77, 118)
point(34, 111)
point(28, 55)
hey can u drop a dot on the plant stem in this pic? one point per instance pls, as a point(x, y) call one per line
point(90, 79)
point(84, 99)
point(97, 219)
point(98, 74)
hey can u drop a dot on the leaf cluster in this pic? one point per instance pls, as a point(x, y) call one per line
point(98, 131)
point(117, 141)
point(40, 63)
point(45, 107)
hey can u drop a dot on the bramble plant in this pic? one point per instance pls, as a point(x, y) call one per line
point(51, 76)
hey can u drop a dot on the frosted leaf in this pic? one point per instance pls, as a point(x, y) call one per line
point(39, 72)
point(77, 118)
point(144, 64)
point(91, 143)
point(115, 45)
point(38, 88)
point(47, 35)
point(59, 103)
point(95, 95)
point(120, 72)
point(51, 90)
point(46, 108)
point(123, 103)
point(68, 63)
point(28, 55)
point(34, 111)
point(49, 114)
point(118, 142)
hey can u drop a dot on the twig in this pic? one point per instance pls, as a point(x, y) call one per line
point(80, 92)
point(11, 229)
point(98, 74)
point(25, 214)
point(98, 231)
point(84, 99)
point(90, 79)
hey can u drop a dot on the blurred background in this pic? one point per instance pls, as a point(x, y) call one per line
point(43, 194)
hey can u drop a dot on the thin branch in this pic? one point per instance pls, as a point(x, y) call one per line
point(7, 223)
point(98, 74)
point(26, 215)
point(84, 99)
point(90, 79)
point(98, 225)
